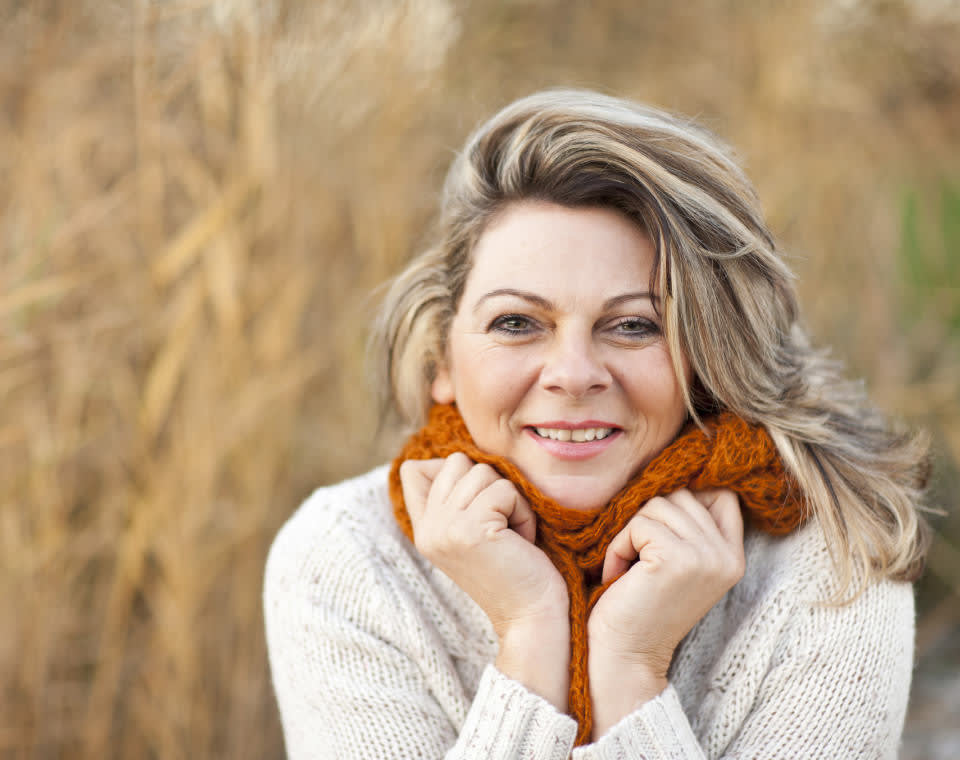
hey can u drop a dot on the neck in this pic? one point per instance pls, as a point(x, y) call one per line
point(727, 453)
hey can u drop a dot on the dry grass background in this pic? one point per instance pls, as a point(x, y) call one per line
point(197, 199)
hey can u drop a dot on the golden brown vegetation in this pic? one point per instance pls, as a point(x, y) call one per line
point(197, 200)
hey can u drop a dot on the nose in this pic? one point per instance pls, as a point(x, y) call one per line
point(572, 366)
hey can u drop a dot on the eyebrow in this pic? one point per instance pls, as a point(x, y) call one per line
point(543, 303)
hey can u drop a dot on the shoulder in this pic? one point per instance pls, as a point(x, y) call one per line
point(342, 560)
point(801, 569)
point(848, 661)
point(786, 605)
point(870, 625)
point(361, 500)
point(357, 510)
point(793, 581)
point(862, 634)
point(776, 643)
point(335, 549)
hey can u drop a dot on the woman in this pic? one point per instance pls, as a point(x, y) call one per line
point(644, 518)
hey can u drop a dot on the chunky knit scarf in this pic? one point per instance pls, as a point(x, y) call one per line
point(733, 454)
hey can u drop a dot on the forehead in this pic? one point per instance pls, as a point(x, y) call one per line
point(546, 246)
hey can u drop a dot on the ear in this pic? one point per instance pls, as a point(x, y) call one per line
point(441, 389)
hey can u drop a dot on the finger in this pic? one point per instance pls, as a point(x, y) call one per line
point(674, 511)
point(724, 507)
point(694, 508)
point(454, 468)
point(629, 544)
point(416, 478)
point(503, 497)
point(470, 485)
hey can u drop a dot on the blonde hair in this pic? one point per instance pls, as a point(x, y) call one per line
point(729, 305)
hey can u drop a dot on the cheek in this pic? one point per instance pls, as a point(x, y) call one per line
point(491, 386)
point(490, 366)
point(495, 379)
point(655, 386)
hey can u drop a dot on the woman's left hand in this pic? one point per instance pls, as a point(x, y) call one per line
point(676, 558)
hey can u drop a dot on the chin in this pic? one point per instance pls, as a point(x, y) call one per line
point(580, 493)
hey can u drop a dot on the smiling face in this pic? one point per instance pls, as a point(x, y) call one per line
point(556, 358)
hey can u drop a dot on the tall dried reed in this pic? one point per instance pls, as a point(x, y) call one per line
point(197, 200)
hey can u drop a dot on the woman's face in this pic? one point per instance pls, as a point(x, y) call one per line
point(556, 358)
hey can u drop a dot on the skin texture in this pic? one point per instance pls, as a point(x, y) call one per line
point(557, 328)
point(571, 356)
point(686, 546)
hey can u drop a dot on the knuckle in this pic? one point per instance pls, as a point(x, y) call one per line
point(656, 503)
point(611, 552)
point(408, 469)
point(640, 527)
point(660, 564)
point(738, 568)
point(729, 498)
point(503, 488)
point(484, 475)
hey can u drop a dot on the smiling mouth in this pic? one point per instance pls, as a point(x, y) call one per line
point(576, 435)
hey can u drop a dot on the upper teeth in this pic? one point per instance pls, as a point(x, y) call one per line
point(580, 434)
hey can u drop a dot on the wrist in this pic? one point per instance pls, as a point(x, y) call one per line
point(537, 654)
point(620, 684)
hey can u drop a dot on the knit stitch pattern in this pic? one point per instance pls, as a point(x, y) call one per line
point(730, 453)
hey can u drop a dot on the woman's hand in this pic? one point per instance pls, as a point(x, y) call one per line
point(677, 557)
point(478, 529)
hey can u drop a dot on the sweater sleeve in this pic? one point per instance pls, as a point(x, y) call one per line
point(354, 679)
point(837, 687)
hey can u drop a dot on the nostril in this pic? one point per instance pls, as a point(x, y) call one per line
point(572, 364)
point(575, 379)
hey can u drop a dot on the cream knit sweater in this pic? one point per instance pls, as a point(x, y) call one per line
point(376, 654)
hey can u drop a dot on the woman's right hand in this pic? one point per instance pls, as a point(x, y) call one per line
point(478, 529)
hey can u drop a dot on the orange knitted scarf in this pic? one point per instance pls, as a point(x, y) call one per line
point(734, 455)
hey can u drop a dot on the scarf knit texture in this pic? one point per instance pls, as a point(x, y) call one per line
point(731, 454)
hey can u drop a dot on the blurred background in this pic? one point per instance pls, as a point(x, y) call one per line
point(197, 201)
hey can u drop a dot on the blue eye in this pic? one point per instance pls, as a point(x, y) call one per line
point(512, 324)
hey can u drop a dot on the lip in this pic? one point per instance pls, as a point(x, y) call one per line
point(560, 424)
point(574, 451)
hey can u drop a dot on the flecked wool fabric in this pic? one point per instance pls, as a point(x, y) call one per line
point(377, 655)
point(731, 453)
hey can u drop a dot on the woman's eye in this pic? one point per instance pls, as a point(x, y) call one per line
point(512, 324)
point(636, 327)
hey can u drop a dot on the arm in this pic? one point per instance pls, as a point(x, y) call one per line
point(845, 673)
point(474, 525)
point(361, 672)
point(836, 686)
point(669, 566)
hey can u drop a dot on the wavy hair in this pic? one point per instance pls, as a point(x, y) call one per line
point(728, 305)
